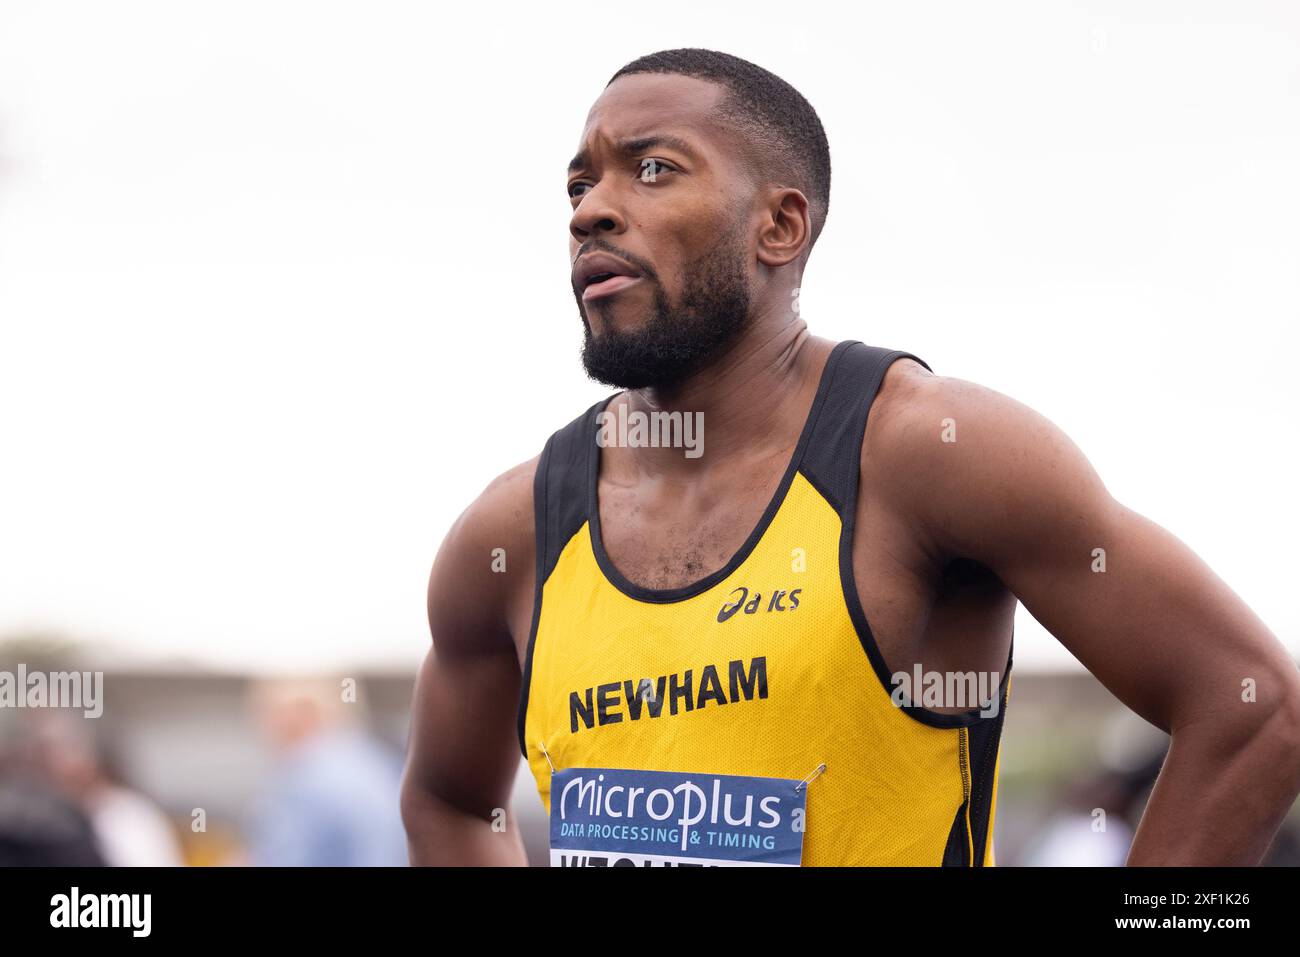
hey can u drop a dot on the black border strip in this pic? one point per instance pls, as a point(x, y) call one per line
point(539, 573)
point(848, 580)
point(664, 596)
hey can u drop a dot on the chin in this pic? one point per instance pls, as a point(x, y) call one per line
point(625, 322)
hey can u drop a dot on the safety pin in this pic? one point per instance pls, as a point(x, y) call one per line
point(542, 747)
point(812, 777)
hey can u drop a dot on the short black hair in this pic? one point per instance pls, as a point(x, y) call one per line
point(782, 127)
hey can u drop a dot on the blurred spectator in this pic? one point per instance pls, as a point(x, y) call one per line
point(332, 800)
point(1099, 814)
point(40, 827)
point(1092, 829)
point(129, 829)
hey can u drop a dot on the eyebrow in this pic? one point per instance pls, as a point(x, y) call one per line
point(639, 144)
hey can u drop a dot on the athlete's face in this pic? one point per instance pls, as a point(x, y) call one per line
point(660, 201)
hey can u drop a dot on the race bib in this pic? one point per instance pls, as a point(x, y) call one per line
point(613, 817)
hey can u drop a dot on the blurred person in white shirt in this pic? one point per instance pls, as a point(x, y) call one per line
point(130, 829)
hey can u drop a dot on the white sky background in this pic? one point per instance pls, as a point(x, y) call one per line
point(283, 286)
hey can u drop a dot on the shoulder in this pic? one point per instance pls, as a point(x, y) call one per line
point(969, 461)
point(918, 413)
point(484, 567)
point(503, 511)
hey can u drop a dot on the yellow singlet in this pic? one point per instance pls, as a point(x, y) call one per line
point(765, 668)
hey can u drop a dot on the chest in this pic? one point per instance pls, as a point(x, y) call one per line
point(939, 613)
point(668, 536)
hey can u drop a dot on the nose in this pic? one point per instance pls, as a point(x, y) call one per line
point(595, 213)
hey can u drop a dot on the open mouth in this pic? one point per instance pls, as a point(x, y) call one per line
point(606, 284)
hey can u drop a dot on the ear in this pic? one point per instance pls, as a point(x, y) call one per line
point(786, 228)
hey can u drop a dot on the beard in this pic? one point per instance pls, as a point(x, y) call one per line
point(678, 339)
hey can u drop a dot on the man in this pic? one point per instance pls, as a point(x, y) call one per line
point(328, 799)
point(691, 624)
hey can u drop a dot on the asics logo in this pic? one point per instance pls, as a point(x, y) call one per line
point(740, 600)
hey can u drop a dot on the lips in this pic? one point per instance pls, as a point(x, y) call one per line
point(599, 274)
point(607, 287)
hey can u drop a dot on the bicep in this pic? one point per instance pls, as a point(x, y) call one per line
point(463, 747)
point(1128, 599)
point(1145, 615)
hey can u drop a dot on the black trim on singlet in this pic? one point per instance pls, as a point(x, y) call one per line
point(979, 765)
point(956, 852)
point(833, 465)
point(984, 739)
point(559, 509)
point(664, 596)
point(560, 489)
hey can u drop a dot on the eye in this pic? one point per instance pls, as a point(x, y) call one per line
point(652, 169)
point(574, 186)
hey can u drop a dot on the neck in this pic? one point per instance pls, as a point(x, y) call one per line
point(750, 393)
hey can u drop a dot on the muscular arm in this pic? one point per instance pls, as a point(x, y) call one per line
point(1157, 626)
point(463, 752)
